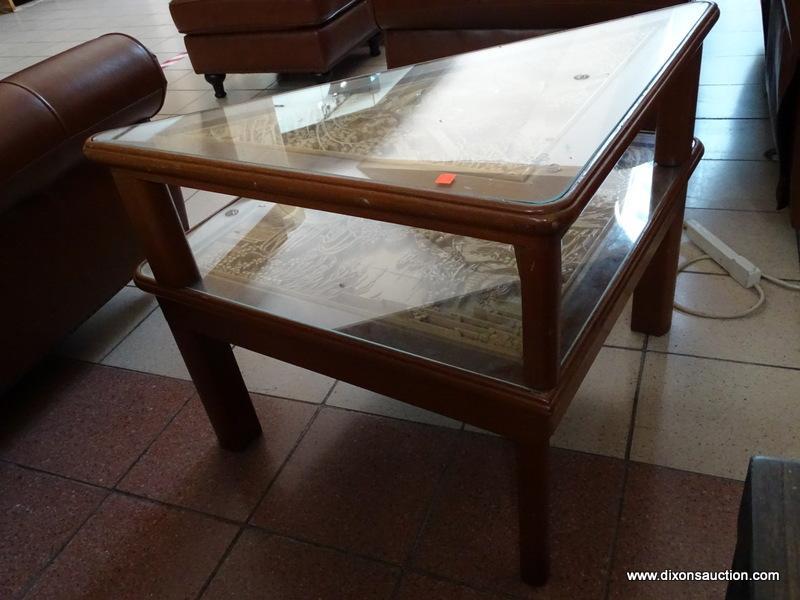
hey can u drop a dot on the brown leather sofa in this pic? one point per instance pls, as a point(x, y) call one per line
point(272, 36)
point(66, 243)
point(418, 30)
point(781, 27)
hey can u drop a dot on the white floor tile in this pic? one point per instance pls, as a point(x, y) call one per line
point(767, 239)
point(178, 99)
point(733, 184)
point(203, 204)
point(735, 139)
point(265, 375)
point(732, 102)
point(711, 416)
point(770, 336)
point(349, 396)
point(622, 335)
point(598, 419)
point(207, 101)
point(98, 336)
point(249, 81)
point(150, 348)
point(599, 416)
point(736, 43)
point(718, 70)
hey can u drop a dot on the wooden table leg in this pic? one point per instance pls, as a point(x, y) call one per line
point(158, 225)
point(539, 268)
point(180, 205)
point(655, 293)
point(219, 384)
point(532, 475)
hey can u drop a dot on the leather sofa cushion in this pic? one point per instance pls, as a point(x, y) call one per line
point(48, 110)
point(230, 16)
point(505, 14)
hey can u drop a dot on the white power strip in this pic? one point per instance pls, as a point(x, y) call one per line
point(741, 269)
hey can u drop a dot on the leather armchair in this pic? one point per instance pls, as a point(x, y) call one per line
point(418, 30)
point(66, 243)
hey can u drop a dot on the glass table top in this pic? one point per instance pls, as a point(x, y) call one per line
point(448, 298)
point(513, 123)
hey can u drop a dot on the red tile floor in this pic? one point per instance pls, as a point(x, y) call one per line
point(113, 487)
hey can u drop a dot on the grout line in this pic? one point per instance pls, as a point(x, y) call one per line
point(637, 390)
point(754, 85)
point(753, 160)
point(770, 211)
point(481, 590)
point(731, 118)
point(330, 393)
point(374, 559)
point(629, 348)
point(272, 481)
point(180, 409)
point(322, 546)
point(626, 463)
point(245, 526)
point(436, 492)
point(125, 337)
point(54, 474)
point(34, 579)
point(684, 471)
point(37, 575)
point(287, 398)
point(726, 360)
point(773, 211)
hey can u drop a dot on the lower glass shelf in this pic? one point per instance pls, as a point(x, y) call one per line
point(447, 298)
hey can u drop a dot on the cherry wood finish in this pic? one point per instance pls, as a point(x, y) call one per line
point(205, 325)
point(534, 491)
point(160, 230)
point(539, 266)
point(654, 296)
point(219, 383)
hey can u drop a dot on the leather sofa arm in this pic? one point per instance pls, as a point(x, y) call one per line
point(49, 109)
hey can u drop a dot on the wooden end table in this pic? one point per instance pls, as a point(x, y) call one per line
point(460, 235)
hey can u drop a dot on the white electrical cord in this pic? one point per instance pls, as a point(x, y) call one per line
point(706, 315)
point(759, 291)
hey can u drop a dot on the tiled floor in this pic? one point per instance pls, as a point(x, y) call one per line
point(112, 485)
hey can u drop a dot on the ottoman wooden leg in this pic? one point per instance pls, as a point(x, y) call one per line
point(532, 475)
point(217, 80)
point(375, 45)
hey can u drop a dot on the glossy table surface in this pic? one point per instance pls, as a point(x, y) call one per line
point(516, 124)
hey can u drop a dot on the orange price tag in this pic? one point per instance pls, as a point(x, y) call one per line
point(445, 179)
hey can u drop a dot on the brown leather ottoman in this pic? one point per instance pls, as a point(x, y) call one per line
point(272, 36)
point(419, 30)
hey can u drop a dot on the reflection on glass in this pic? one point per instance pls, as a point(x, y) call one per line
point(515, 123)
point(448, 298)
